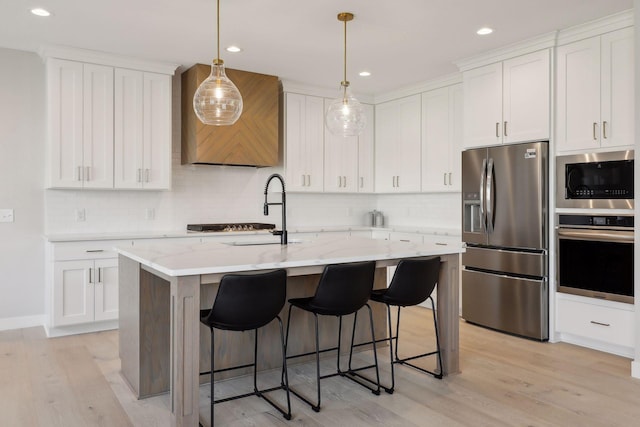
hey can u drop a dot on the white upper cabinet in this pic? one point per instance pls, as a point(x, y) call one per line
point(304, 142)
point(348, 161)
point(366, 153)
point(595, 80)
point(109, 124)
point(442, 139)
point(142, 130)
point(80, 108)
point(397, 136)
point(340, 161)
point(508, 101)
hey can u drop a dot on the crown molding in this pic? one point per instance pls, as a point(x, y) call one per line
point(597, 27)
point(438, 83)
point(544, 41)
point(102, 58)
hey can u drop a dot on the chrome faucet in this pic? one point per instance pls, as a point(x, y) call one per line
point(282, 233)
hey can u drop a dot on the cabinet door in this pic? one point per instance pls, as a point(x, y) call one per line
point(304, 133)
point(366, 153)
point(456, 124)
point(129, 130)
point(409, 139)
point(156, 161)
point(483, 106)
point(525, 97)
point(435, 140)
point(65, 103)
point(578, 88)
point(398, 145)
point(617, 103)
point(73, 292)
point(340, 161)
point(98, 127)
point(106, 289)
point(386, 145)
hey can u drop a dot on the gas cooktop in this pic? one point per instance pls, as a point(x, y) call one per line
point(238, 226)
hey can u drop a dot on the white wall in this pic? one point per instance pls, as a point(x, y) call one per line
point(22, 123)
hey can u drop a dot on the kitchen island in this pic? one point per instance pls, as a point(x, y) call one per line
point(163, 286)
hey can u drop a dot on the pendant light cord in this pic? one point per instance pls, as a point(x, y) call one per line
point(218, 27)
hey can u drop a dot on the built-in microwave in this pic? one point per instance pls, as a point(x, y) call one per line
point(595, 180)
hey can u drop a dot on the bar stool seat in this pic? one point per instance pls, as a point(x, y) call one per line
point(247, 302)
point(343, 289)
point(413, 282)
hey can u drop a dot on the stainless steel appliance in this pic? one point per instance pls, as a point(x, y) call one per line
point(595, 256)
point(595, 180)
point(504, 225)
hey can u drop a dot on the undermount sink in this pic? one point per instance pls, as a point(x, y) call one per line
point(260, 242)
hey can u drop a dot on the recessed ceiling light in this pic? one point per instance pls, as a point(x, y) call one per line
point(484, 31)
point(233, 49)
point(40, 12)
point(365, 73)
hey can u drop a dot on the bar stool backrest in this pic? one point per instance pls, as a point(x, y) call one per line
point(344, 288)
point(413, 281)
point(248, 301)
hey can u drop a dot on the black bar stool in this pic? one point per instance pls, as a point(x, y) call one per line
point(413, 282)
point(247, 302)
point(343, 289)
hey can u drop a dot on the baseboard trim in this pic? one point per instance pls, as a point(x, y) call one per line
point(20, 322)
point(597, 345)
point(61, 331)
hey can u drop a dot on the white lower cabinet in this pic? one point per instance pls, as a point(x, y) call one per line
point(85, 291)
point(602, 325)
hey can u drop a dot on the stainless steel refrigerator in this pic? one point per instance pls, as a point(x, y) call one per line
point(504, 225)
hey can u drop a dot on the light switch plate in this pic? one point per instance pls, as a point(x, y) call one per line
point(6, 215)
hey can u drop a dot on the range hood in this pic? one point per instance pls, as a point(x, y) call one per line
point(252, 141)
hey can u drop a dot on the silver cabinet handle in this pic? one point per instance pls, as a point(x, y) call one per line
point(394, 181)
point(600, 323)
point(445, 178)
point(94, 250)
point(604, 130)
point(398, 181)
point(90, 275)
point(345, 182)
point(361, 182)
point(87, 177)
point(595, 137)
point(100, 275)
point(308, 180)
point(147, 173)
point(497, 129)
point(139, 175)
point(450, 178)
point(79, 173)
point(504, 129)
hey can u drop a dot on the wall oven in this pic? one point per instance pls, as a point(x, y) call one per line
point(595, 256)
point(595, 180)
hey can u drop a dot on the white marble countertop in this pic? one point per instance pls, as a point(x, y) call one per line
point(127, 235)
point(184, 259)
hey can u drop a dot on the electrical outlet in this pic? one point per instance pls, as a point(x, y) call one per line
point(6, 215)
point(150, 213)
point(80, 215)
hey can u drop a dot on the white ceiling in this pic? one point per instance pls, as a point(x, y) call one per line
point(401, 42)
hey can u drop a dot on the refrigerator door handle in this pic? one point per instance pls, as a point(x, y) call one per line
point(483, 213)
point(489, 190)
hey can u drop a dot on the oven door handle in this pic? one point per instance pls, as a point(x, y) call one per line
point(596, 235)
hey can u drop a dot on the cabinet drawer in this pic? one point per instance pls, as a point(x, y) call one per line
point(87, 250)
point(606, 324)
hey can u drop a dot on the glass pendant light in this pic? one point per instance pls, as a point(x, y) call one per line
point(345, 115)
point(217, 101)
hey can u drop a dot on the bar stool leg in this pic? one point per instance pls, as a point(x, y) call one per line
point(285, 383)
point(435, 325)
point(212, 382)
point(393, 376)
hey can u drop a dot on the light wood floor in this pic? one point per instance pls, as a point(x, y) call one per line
point(505, 381)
